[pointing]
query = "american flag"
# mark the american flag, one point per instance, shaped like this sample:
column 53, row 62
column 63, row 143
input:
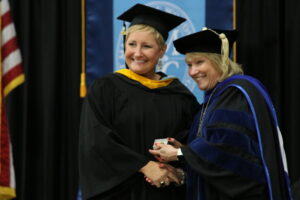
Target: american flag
column 11, row 76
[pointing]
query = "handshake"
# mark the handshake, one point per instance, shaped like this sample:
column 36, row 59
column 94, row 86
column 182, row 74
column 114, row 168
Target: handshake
column 161, row 174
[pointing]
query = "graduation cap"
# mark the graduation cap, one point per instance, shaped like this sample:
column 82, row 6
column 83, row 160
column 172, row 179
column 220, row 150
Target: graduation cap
column 208, row 40
column 162, row 21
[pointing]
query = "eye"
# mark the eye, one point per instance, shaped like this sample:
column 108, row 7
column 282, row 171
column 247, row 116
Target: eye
column 147, row 46
column 131, row 44
column 189, row 65
column 198, row 62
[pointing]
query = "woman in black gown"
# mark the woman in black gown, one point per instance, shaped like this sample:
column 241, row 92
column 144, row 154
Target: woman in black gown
column 126, row 111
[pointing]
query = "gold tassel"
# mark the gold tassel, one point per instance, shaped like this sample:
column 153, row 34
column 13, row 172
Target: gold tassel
column 123, row 32
column 82, row 85
column 224, row 47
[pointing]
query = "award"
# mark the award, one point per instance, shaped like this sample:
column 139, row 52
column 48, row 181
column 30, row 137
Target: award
column 161, row 141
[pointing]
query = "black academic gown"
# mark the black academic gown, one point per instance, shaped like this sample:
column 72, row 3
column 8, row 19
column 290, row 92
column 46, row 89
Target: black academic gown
column 120, row 120
column 233, row 157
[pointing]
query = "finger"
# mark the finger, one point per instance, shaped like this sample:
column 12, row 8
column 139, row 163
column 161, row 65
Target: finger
column 154, row 152
column 174, row 142
column 156, row 182
column 162, row 165
column 177, row 144
column 173, row 178
column 159, row 158
column 159, row 145
column 171, row 140
column 156, row 146
column 168, row 167
column 148, row 180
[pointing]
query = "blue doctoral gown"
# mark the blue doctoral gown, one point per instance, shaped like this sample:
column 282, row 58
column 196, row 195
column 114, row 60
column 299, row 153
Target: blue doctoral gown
column 237, row 152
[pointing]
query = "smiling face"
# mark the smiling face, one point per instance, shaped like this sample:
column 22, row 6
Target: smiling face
column 202, row 70
column 142, row 53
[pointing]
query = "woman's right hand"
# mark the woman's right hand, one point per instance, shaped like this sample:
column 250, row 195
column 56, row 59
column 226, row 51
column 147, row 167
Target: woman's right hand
column 164, row 152
column 155, row 173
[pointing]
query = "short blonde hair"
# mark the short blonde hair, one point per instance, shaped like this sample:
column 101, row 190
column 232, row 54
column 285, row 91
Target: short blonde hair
column 142, row 27
column 227, row 70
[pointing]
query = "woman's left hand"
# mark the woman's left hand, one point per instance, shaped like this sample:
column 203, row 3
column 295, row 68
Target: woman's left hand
column 164, row 152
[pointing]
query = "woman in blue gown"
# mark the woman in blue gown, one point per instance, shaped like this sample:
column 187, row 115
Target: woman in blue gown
column 235, row 148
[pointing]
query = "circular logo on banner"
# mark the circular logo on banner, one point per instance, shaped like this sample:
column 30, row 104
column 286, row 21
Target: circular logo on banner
column 172, row 62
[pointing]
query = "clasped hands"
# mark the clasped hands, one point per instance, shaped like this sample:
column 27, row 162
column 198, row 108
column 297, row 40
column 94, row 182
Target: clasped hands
column 160, row 173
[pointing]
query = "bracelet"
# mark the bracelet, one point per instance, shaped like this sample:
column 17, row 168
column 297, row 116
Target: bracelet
column 181, row 176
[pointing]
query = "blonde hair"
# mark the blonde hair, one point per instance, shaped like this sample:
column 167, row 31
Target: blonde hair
column 142, row 27
column 228, row 69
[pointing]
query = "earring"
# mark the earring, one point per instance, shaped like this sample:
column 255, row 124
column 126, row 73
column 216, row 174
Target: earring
column 159, row 65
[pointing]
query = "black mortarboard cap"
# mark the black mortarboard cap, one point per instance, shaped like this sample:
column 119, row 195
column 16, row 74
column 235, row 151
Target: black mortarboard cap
column 207, row 40
column 162, row 21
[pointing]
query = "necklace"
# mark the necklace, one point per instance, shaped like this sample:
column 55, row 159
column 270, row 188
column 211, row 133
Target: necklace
column 203, row 111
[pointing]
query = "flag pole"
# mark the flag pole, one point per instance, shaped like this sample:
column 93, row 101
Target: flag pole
column 82, row 75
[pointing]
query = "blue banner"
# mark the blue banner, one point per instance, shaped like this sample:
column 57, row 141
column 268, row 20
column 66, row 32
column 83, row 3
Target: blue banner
column 99, row 43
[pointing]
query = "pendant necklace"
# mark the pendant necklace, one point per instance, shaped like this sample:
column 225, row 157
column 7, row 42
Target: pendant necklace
column 203, row 112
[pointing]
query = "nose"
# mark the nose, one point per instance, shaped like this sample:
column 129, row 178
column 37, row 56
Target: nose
column 192, row 70
column 138, row 51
